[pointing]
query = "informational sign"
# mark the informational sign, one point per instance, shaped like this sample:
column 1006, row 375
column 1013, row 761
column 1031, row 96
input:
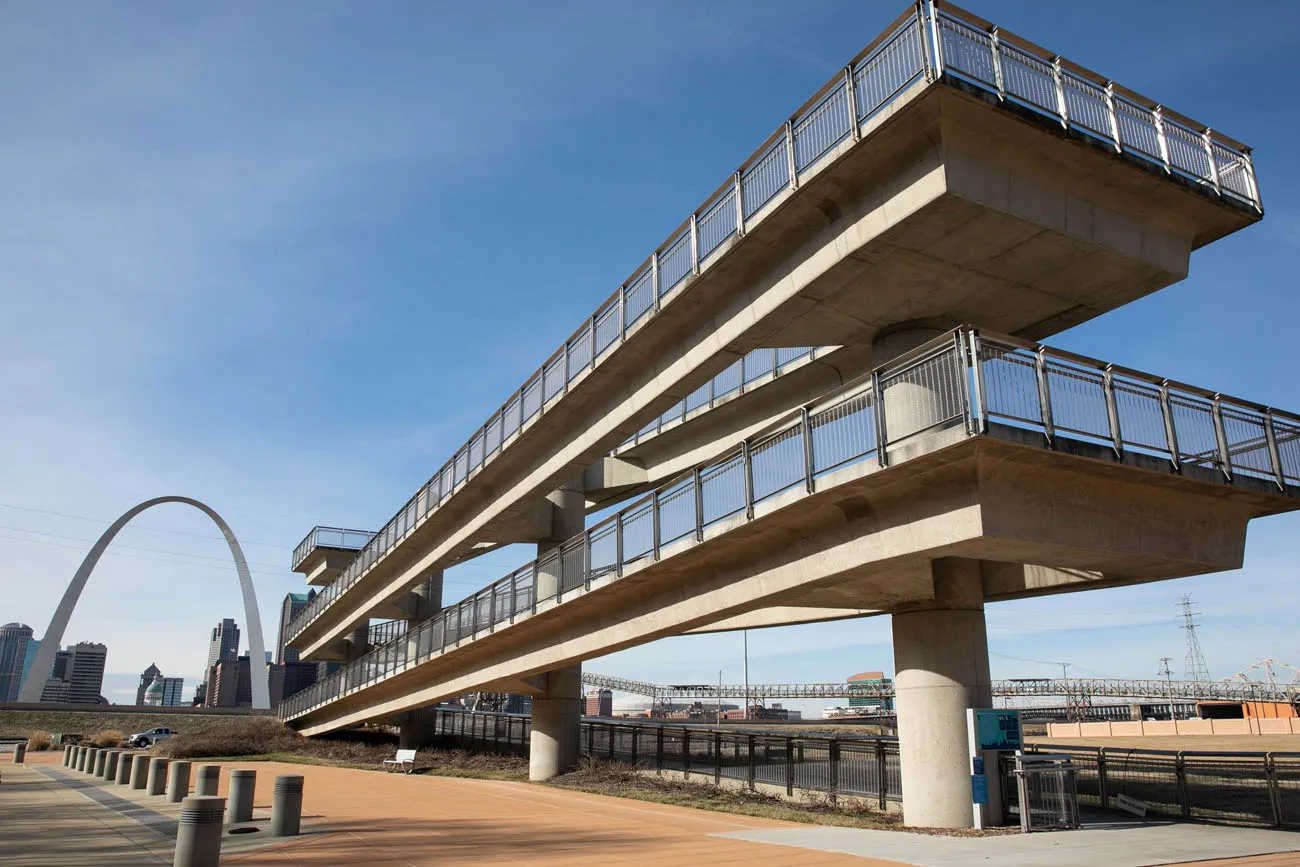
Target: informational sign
column 1132, row 805
column 997, row 730
column 979, row 788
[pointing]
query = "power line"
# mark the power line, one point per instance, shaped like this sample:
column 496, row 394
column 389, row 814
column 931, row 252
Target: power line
column 112, row 553
column 129, row 547
column 105, row 523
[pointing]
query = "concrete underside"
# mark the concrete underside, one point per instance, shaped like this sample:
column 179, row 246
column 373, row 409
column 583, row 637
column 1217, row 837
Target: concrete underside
column 867, row 541
column 949, row 210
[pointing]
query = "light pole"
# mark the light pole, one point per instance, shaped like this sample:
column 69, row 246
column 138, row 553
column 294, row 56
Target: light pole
column 745, row 633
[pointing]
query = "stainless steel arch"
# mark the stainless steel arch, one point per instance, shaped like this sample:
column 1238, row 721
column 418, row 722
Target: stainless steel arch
column 53, row 637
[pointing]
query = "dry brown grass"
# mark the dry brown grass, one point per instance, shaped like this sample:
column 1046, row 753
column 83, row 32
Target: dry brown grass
column 38, row 743
column 106, row 738
column 246, row 736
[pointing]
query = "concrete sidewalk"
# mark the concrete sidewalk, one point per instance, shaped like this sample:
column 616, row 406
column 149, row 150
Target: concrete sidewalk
column 364, row 817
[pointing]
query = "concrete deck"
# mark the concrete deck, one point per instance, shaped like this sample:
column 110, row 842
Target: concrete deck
column 363, row 817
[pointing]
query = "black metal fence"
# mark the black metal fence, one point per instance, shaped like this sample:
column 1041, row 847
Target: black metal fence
column 1241, row 788
column 861, row 767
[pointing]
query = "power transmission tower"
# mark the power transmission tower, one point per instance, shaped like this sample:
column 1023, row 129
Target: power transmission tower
column 1194, row 666
column 1168, row 676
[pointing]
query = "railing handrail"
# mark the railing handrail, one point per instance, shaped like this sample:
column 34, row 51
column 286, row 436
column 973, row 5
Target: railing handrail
column 921, row 22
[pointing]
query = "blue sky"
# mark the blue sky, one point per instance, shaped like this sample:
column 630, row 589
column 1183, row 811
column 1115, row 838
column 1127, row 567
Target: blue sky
column 286, row 258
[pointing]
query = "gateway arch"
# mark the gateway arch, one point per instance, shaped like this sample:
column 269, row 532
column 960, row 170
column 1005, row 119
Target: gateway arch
column 53, row 637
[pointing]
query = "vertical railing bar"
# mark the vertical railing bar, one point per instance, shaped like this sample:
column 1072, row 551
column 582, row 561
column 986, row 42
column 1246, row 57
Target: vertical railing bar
column 963, row 361
column 1171, row 431
column 1158, row 118
column 586, row 559
column 618, row 543
column 1045, row 396
column 1216, row 412
column 808, row 457
column 1274, row 455
column 995, row 46
column 881, row 457
column 654, row 521
column 930, row 20
column 851, row 104
column 739, row 195
column 655, row 278
column 1112, row 411
column 790, row 162
column 1060, row 92
column 699, row 505
column 1112, row 116
column 695, row 245
column 1208, row 144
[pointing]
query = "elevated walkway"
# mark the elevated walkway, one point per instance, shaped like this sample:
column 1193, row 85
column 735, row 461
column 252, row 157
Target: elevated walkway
column 954, row 173
column 995, row 451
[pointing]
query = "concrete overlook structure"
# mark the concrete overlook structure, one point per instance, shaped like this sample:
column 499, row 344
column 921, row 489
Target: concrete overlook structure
column 957, row 194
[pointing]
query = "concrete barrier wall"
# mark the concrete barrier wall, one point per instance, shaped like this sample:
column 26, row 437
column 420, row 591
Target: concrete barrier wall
column 1183, row 728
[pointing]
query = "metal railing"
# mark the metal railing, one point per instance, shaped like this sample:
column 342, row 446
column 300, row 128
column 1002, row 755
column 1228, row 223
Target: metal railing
column 335, row 538
column 748, row 372
column 861, row 767
column 963, row 381
column 1256, row 788
column 381, row 633
column 1162, row 690
column 930, row 42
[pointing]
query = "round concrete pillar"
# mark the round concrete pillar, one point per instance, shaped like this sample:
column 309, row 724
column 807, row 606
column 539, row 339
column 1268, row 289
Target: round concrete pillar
column 81, row 759
column 198, row 837
column 358, row 641
column 568, row 519
column 557, row 717
column 101, row 759
column 941, row 660
column 157, row 780
column 286, row 806
column 914, row 403
column 20, row 754
column 92, row 756
column 140, row 771
column 178, row 781
column 206, row 780
column 110, row 765
column 124, row 761
column 242, row 783
column 67, row 755
column 75, row 758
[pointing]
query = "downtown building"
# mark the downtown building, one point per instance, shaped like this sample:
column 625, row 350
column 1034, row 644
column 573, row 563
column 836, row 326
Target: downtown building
column 17, row 649
column 77, row 676
column 155, row 690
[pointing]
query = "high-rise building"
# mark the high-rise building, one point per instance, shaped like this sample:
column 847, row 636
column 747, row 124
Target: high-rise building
column 33, row 645
column 147, row 677
column 600, row 702
column 13, row 652
column 78, row 674
column 224, row 644
column 870, row 682
column 292, row 605
column 230, row 683
column 297, row 677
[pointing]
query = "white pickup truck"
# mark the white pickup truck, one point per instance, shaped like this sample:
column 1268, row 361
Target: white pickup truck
column 151, row 737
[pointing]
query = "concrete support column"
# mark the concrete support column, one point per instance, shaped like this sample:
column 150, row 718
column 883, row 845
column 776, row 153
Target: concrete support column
column 358, row 641
column 568, row 519
column 424, row 600
column 418, row 730
column 909, row 404
column 557, row 716
column 941, row 660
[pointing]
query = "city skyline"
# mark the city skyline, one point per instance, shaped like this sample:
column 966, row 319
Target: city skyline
column 321, row 245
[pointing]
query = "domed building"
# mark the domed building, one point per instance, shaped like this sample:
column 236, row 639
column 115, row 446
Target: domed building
column 153, row 695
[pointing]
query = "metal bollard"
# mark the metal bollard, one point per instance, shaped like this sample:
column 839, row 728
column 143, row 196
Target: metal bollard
column 140, row 770
column 110, row 765
column 286, row 806
column 207, row 779
column 67, row 754
column 240, row 807
column 157, row 780
column 100, row 758
column 20, row 753
column 124, row 762
column 178, row 782
column 198, row 838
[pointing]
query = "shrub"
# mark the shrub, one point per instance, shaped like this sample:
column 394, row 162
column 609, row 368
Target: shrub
column 105, row 738
column 250, row 737
column 38, row 742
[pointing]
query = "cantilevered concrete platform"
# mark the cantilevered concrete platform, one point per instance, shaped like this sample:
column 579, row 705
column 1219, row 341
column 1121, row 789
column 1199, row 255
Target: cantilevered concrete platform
column 943, row 203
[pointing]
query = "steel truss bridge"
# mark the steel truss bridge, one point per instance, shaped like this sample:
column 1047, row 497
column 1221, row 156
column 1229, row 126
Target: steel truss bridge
column 1076, row 691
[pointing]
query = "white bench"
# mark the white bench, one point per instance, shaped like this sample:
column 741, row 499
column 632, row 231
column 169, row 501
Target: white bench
column 403, row 761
